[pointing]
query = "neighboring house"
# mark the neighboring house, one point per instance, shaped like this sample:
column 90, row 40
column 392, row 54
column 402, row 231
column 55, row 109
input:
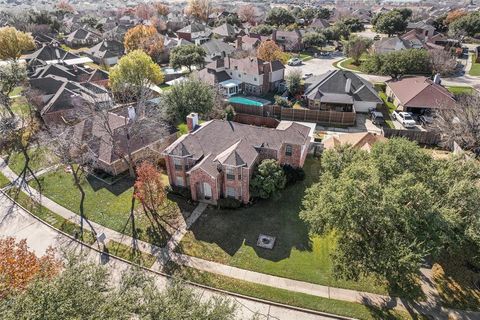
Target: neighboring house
column 106, row 53
column 248, row 75
column 82, row 37
column 288, row 40
column 359, row 140
column 340, row 90
column 168, row 44
column 61, row 101
column 150, row 144
column 46, row 54
column 418, row 95
column 413, row 39
column 425, row 29
column 319, row 24
column 227, row 32
column 176, row 21
column 216, row 49
column 196, row 32
column 217, row 159
column 390, row 44
column 248, row 42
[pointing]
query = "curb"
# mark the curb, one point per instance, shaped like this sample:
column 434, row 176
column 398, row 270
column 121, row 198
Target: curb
column 198, row 285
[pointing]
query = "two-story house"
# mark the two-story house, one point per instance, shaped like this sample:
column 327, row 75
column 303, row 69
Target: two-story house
column 247, row 75
column 217, row 159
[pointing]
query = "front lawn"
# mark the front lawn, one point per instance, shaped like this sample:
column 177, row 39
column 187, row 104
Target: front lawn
column 40, row 158
column 230, row 237
column 3, row 181
column 348, row 64
column 475, row 69
column 109, row 205
column 16, row 91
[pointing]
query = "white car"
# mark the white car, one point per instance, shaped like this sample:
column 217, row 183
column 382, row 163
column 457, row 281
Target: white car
column 294, row 62
column 404, row 118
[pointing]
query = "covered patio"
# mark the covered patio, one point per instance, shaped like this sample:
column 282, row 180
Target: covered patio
column 231, row 87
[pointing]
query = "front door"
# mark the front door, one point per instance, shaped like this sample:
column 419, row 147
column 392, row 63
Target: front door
column 207, row 191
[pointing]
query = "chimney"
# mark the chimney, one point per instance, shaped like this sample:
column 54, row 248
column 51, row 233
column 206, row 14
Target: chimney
column 348, row 85
column 238, row 42
column 436, row 79
column 131, row 113
column 192, row 121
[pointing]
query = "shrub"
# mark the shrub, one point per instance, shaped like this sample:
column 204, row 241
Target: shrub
column 293, row 174
column 267, row 179
column 282, row 102
column 179, row 191
column 380, row 86
column 228, row 203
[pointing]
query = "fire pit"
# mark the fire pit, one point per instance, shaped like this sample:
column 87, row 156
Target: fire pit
column 266, row 242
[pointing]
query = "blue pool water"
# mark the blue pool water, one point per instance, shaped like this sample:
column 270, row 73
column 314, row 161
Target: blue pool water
column 242, row 100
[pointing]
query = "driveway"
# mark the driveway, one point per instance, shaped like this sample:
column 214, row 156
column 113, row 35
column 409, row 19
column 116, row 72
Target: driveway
column 315, row 66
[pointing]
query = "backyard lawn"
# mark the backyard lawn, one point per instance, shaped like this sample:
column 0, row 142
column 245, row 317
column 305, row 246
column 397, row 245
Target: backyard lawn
column 109, row 205
column 230, row 236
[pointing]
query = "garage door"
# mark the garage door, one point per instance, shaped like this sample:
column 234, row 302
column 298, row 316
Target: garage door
column 362, row 106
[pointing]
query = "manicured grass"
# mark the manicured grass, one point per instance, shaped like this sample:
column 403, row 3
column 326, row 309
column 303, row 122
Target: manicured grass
column 20, row 106
column 455, row 280
column 387, row 109
column 461, row 90
column 165, row 87
column 475, row 69
column 390, row 106
column 305, row 56
column 109, row 205
column 50, row 217
column 128, row 253
column 348, row 64
column 40, row 158
column 3, row 180
column 301, row 300
column 230, row 237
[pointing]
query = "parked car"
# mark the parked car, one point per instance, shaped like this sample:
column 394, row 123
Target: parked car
column 325, row 54
column 377, row 117
column 425, row 120
column 294, row 62
column 376, row 38
column 404, row 118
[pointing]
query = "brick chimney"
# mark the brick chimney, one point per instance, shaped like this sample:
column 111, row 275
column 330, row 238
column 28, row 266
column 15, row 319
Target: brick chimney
column 192, row 121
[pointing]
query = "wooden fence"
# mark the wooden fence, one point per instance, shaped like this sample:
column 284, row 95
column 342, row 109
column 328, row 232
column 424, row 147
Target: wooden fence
column 256, row 120
column 422, row 137
column 306, row 115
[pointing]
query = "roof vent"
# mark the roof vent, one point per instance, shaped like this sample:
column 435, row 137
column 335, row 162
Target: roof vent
column 348, row 85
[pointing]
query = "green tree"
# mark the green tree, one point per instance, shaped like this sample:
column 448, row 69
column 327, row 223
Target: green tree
column 390, row 23
column 391, row 208
column 353, row 24
column 188, row 96
column 314, row 39
column 294, row 81
column 279, row 16
column 134, row 74
column 13, row 43
column 84, row 290
column 267, row 179
column 398, row 63
column 262, row 29
column 355, row 47
column 187, row 56
column 467, row 25
column 323, row 13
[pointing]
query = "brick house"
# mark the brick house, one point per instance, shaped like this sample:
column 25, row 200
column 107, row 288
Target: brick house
column 217, row 159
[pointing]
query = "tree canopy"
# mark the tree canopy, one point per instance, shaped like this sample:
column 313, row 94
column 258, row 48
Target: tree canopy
column 268, row 51
column 392, row 22
column 267, row 179
column 393, row 207
column 466, row 25
column 398, row 63
column 355, row 47
column 314, row 39
column 134, row 73
column 13, row 42
column 279, row 16
column 188, row 96
column 145, row 38
column 187, row 56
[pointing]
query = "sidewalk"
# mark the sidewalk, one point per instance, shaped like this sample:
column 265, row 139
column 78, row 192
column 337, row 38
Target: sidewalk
column 167, row 253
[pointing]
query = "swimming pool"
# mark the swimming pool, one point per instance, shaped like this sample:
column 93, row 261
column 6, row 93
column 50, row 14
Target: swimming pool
column 246, row 101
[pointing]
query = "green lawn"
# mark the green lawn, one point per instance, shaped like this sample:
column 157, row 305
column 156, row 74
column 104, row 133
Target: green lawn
column 348, row 64
column 165, row 87
column 387, row 109
column 390, row 106
column 461, row 90
column 3, row 180
column 128, row 253
column 301, row 300
column 475, row 69
column 230, row 237
column 50, row 217
column 40, row 158
column 108, row 205
column 20, row 106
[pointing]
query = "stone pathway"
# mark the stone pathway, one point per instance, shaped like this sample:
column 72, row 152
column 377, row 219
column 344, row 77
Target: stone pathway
column 163, row 255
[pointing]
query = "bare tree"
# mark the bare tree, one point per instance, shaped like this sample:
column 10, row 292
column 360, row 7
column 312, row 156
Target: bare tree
column 75, row 153
column 247, row 13
column 442, row 61
column 460, row 125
